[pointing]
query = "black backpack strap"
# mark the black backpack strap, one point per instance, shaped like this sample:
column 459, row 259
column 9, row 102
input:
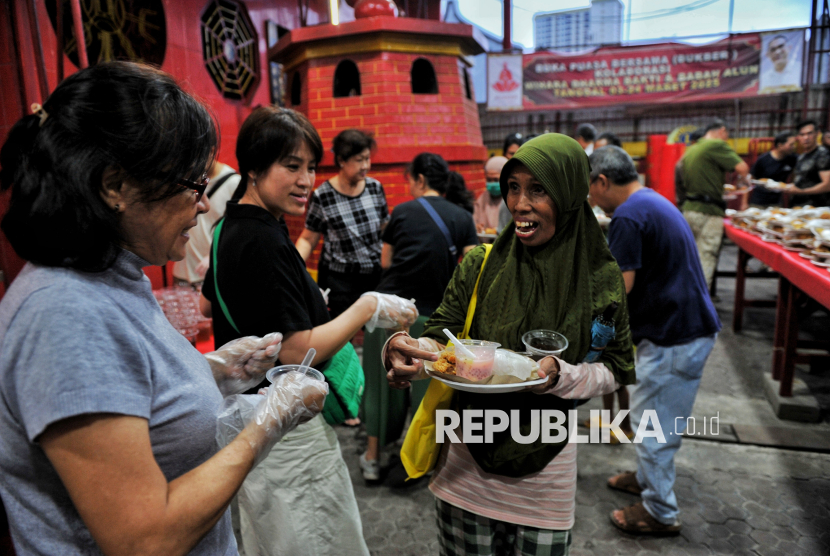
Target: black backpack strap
column 440, row 223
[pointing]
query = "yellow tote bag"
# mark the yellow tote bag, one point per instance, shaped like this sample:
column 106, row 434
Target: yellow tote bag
column 420, row 451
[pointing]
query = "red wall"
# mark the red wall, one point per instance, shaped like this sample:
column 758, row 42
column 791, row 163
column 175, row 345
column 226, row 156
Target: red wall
column 183, row 59
column 405, row 124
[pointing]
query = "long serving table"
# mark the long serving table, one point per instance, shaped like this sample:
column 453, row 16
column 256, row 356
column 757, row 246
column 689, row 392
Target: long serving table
column 798, row 277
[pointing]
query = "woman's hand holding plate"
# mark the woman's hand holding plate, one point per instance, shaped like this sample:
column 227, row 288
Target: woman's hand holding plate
column 548, row 368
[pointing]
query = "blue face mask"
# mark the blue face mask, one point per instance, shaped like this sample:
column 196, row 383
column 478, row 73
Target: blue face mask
column 494, row 188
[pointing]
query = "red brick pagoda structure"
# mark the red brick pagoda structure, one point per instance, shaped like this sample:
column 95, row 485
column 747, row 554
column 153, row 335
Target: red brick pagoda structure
column 404, row 79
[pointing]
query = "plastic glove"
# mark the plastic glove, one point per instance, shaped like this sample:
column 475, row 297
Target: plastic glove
column 241, row 364
column 392, row 312
column 292, row 399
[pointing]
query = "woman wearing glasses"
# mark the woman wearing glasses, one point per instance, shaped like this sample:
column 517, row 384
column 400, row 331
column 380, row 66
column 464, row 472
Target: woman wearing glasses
column 108, row 415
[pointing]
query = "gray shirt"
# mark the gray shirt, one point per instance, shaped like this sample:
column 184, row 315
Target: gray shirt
column 74, row 343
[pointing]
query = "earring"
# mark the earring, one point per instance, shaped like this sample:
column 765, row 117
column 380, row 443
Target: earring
column 253, row 183
column 117, row 207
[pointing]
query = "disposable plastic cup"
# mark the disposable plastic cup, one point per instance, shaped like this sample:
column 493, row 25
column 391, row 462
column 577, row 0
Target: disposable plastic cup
column 480, row 366
column 543, row 343
column 313, row 373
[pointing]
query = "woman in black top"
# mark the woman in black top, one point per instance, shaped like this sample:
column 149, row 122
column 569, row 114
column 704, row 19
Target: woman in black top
column 418, row 264
column 299, row 499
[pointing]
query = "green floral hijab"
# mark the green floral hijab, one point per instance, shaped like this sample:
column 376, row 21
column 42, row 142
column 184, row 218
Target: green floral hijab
column 559, row 286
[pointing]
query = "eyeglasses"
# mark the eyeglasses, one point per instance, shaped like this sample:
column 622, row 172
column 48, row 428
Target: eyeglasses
column 199, row 187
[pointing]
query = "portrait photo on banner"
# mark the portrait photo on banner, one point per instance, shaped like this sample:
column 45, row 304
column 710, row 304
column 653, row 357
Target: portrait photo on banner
column 782, row 56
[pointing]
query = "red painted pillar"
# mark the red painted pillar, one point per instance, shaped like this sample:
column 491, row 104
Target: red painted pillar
column 654, row 159
column 80, row 39
column 660, row 162
column 671, row 154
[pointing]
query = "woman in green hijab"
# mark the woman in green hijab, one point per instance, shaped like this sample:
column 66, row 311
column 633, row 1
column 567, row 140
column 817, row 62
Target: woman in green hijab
column 550, row 270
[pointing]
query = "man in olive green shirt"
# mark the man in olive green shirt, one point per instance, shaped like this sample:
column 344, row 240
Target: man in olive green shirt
column 704, row 165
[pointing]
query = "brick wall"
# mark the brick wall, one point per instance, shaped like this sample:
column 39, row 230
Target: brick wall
column 404, row 124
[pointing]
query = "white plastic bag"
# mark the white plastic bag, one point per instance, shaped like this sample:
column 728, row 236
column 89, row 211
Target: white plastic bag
column 510, row 363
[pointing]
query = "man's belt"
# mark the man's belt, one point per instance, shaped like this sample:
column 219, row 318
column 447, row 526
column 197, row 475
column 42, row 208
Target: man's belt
column 708, row 200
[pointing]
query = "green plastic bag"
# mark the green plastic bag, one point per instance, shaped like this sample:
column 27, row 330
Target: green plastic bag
column 346, row 383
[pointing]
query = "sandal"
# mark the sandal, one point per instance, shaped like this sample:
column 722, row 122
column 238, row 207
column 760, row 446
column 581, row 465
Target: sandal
column 637, row 521
column 626, row 482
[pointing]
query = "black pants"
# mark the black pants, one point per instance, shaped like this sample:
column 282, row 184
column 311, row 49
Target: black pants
column 346, row 287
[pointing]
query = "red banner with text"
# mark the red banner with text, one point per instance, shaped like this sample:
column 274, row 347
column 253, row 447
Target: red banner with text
column 661, row 73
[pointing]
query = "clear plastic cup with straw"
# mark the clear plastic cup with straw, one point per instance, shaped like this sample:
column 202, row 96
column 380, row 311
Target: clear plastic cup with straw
column 474, row 359
column 304, row 368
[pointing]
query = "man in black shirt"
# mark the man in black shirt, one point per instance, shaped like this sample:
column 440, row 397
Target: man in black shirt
column 811, row 181
column 776, row 165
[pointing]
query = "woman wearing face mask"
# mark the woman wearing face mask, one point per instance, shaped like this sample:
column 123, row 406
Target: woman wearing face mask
column 349, row 211
column 299, row 501
column 486, row 207
column 418, row 264
column 551, row 270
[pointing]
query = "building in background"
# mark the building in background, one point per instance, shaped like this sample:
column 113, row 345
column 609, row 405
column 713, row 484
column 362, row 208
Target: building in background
column 570, row 30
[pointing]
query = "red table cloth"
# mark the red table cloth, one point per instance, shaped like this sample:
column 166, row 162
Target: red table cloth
column 807, row 277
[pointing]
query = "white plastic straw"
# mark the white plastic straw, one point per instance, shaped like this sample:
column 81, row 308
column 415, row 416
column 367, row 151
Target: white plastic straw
column 309, row 357
column 458, row 345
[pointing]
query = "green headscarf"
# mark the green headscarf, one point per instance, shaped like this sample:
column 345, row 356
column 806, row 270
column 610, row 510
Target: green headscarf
column 561, row 285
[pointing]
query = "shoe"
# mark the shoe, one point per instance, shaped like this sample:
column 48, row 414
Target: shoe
column 636, row 520
column 626, row 482
column 369, row 468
